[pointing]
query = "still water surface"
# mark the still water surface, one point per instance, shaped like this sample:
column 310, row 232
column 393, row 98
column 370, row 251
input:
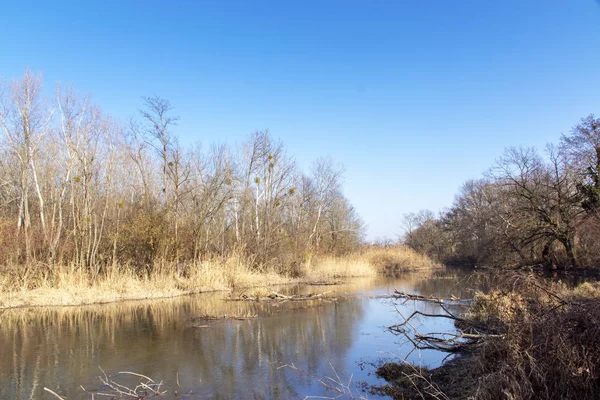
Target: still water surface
column 64, row 348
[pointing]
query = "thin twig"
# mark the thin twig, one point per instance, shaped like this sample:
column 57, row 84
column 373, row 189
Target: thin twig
column 53, row 393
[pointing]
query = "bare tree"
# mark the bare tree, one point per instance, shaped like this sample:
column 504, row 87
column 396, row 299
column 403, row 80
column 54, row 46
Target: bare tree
column 24, row 119
column 327, row 183
column 106, row 195
column 159, row 122
column 582, row 146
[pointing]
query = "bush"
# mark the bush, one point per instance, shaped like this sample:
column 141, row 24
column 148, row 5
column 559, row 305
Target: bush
column 551, row 346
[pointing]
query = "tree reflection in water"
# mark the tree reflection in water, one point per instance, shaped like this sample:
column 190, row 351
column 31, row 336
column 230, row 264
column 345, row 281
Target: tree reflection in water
column 63, row 348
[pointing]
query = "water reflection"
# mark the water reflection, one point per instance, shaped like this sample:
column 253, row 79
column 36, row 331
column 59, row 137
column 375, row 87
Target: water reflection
column 63, row 348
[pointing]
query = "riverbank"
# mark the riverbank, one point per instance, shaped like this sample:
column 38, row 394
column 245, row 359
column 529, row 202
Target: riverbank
column 535, row 340
column 67, row 286
column 62, row 348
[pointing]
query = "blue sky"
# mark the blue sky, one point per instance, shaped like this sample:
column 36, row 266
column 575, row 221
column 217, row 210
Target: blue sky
column 412, row 97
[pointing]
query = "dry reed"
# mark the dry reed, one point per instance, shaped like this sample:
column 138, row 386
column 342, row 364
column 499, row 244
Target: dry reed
column 547, row 346
column 367, row 262
column 43, row 285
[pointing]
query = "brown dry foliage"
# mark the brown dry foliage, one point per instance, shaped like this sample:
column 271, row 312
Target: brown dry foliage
column 394, row 259
column 551, row 347
column 42, row 284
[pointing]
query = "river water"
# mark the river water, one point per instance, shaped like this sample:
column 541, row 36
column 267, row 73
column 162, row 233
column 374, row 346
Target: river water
column 67, row 349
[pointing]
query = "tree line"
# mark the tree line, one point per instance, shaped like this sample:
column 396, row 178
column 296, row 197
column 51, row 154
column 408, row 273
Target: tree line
column 529, row 208
column 81, row 188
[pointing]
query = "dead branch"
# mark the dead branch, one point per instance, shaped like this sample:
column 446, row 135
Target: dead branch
column 323, row 283
column 418, row 297
column 54, row 394
column 278, row 297
column 146, row 387
column 450, row 342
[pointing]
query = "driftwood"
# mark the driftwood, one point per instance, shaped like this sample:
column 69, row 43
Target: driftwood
column 278, row 297
column 473, row 333
column 145, row 388
column 432, row 299
column 323, row 283
column 54, row 394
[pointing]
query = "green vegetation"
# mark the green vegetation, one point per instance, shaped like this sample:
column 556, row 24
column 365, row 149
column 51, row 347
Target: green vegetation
column 527, row 210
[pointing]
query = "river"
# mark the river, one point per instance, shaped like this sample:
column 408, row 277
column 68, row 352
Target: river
column 67, row 349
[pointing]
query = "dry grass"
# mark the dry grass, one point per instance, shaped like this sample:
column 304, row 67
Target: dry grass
column 71, row 286
column 544, row 344
column 553, row 353
column 551, row 344
column 40, row 285
column 587, row 289
column 498, row 307
column 397, row 259
column 368, row 262
column 330, row 267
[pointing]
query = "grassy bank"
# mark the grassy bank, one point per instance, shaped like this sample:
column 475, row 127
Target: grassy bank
column 540, row 340
column 40, row 285
column 369, row 261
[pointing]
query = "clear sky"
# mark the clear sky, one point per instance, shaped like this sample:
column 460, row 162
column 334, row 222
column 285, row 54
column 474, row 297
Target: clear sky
column 412, row 97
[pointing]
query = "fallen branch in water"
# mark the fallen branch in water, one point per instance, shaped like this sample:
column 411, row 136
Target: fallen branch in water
column 275, row 295
column 450, row 342
column 54, row 394
column 278, row 297
column 525, row 337
column 323, row 283
column 418, row 297
column 146, row 387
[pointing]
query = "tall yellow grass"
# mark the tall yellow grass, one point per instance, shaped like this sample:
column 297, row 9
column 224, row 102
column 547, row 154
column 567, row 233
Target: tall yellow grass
column 60, row 285
column 369, row 261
